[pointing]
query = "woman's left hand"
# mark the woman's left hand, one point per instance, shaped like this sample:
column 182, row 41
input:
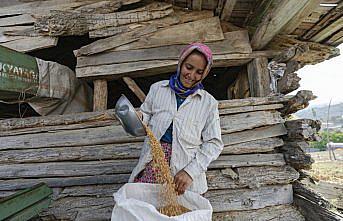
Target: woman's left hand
column 182, row 181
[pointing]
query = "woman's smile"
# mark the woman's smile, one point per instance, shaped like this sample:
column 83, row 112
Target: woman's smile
column 192, row 70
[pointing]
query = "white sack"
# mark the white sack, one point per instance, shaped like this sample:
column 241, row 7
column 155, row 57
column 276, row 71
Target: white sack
column 138, row 202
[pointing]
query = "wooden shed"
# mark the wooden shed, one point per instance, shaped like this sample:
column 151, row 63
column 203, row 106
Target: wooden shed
column 118, row 47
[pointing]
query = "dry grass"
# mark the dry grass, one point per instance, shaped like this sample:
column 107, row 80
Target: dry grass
column 328, row 170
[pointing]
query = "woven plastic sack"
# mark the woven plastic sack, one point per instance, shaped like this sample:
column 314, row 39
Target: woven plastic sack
column 138, row 202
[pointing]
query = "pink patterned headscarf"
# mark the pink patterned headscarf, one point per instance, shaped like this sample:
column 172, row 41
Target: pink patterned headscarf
column 174, row 81
column 202, row 48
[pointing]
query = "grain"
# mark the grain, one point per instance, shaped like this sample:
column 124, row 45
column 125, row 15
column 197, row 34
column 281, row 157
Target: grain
column 168, row 195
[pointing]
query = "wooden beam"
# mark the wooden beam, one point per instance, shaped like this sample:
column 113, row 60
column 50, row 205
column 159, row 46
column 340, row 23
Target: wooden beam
column 27, row 44
column 234, row 42
column 134, row 88
column 66, row 23
column 155, row 67
column 302, row 14
column 205, row 30
column 196, row 5
column 227, row 10
column 245, row 121
column 17, row 20
column 247, row 199
column 259, row 79
column 100, row 95
column 328, row 30
column 274, row 21
column 179, row 17
column 335, row 39
column 333, row 15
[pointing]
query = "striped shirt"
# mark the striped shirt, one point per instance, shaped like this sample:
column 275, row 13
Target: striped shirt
column 196, row 131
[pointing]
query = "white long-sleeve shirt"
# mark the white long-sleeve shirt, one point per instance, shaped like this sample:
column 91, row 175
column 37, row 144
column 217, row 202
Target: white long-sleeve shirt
column 196, row 131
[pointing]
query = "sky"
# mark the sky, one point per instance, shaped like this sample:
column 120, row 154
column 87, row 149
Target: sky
column 325, row 80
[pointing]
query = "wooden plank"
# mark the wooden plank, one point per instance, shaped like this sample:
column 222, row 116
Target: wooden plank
column 173, row 35
column 196, row 5
column 23, row 199
column 256, row 134
column 80, row 208
column 81, row 137
column 100, row 95
column 217, row 179
column 279, row 213
column 274, row 20
column 228, row 161
column 259, row 78
column 42, row 7
column 246, row 109
column 335, row 39
column 245, row 121
column 7, row 38
column 255, row 146
column 325, row 20
column 86, row 168
column 28, row 44
column 301, row 15
column 134, row 88
column 333, row 192
column 17, row 20
column 234, row 42
column 57, row 182
column 59, row 128
column 67, row 169
column 66, row 23
column 83, row 153
column 149, row 68
column 250, row 177
column 227, row 10
column 39, row 7
column 247, row 199
column 205, row 30
column 115, row 41
column 328, row 30
column 313, row 205
column 251, row 101
column 32, row 211
column 100, row 123
column 178, row 17
column 116, row 151
column 316, row 53
column 57, row 120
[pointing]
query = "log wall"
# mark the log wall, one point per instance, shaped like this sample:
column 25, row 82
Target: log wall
column 87, row 157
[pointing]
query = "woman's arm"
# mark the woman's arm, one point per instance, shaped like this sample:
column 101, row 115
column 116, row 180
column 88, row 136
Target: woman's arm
column 211, row 147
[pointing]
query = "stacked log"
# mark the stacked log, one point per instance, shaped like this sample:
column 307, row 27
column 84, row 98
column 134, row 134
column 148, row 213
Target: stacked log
column 299, row 133
column 312, row 204
column 307, row 193
column 87, row 157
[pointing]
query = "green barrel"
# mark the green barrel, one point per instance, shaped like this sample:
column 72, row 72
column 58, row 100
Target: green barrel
column 19, row 75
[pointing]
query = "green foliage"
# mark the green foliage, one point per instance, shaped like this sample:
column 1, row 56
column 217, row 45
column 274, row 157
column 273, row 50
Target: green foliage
column 335, row 137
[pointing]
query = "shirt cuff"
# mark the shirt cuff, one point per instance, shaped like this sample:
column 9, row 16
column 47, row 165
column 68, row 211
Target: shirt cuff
column 193, row 169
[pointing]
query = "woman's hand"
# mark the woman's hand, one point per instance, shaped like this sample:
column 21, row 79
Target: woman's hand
column 182, row 181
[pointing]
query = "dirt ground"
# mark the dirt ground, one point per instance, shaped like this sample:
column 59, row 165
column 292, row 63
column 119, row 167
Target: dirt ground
column 329, row 174
column 328, row 170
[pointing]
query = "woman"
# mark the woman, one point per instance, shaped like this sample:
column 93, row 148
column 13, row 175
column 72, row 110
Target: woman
column 185, row 118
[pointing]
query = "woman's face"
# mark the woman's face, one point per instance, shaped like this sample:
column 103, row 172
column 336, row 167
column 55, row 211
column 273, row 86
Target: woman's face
column 192, row 69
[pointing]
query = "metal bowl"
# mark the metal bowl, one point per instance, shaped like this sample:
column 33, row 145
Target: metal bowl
column 128, row 117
